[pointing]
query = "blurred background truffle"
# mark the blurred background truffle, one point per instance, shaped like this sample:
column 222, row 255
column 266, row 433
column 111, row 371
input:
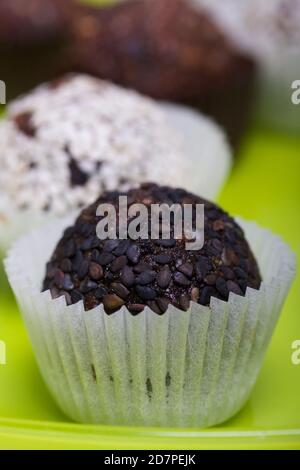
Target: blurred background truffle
column 167, row 50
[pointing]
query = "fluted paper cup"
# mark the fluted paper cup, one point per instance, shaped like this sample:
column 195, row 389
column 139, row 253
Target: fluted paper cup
column 192, row 369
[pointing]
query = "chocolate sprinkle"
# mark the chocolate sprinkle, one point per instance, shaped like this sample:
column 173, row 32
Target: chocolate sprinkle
column 112, row 302
column 95, row 271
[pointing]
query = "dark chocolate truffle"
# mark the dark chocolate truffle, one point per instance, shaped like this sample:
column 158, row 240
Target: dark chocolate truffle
column 168, row 50
column 154, row 273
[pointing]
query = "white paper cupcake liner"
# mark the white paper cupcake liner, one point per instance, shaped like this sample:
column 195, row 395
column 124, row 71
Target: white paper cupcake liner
column 204, row 170
column 15, row 222
column 191, row 369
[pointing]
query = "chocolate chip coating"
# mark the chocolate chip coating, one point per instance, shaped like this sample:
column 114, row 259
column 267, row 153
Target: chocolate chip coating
column 149, row 273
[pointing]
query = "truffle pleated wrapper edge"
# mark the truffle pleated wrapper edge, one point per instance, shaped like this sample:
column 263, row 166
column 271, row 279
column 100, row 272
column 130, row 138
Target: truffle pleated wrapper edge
column 189, row 369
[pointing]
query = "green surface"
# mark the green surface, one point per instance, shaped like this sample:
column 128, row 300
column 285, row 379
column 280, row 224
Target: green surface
column 265, row 186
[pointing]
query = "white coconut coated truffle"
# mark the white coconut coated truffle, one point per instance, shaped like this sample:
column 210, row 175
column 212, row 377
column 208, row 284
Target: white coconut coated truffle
column 66, row 142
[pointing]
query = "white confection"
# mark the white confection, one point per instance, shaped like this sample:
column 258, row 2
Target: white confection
column 98, row 367
column 270, row 31
column 261, row 26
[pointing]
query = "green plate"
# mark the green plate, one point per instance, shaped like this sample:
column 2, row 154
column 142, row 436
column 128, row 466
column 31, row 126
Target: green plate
column 265, row 186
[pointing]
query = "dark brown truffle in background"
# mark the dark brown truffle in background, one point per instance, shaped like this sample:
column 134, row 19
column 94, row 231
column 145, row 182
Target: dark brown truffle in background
column 154, row 273
column 32, row 35
column 167, row 50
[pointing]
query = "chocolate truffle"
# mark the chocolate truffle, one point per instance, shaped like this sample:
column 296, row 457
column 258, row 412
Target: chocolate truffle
column 168, row 50
column 32, row 33
column 148, row 272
